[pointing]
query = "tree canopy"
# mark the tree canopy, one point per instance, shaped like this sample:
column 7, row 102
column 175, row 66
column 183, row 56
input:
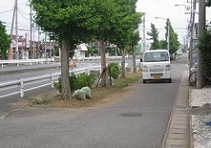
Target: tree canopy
column 128, row 21
column 154, row 35
column 208, row 3
column 64, row 19
column 70, row 23
column 173, row 38
column 4, row 41
column 76, row 21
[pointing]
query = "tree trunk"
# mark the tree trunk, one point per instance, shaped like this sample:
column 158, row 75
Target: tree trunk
column 104, row 81
column 123, row 62
column 134, row 60
column 66, row 93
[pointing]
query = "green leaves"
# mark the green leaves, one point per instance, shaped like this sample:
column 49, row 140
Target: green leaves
column 154, row 35
column 4, row 41
column 127, row 21
column 204, row 46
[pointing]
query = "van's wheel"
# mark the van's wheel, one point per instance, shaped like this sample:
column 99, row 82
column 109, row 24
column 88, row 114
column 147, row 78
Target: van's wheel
column 169, row 80
column 144, row 81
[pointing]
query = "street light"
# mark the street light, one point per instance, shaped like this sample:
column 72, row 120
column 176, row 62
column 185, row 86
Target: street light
column 187, row 7
column 168, row 25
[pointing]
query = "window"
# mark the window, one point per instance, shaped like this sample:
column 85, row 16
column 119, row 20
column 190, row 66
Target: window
column 156, row 56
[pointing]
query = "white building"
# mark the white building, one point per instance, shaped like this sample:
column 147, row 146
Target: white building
column 80, row 52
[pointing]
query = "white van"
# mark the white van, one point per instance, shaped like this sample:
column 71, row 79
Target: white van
column 156, row 65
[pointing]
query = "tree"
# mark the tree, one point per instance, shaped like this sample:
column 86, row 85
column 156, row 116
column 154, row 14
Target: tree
column 154, row 35
column 204, row 46
column 163, row 44
column 127, row 23
column 106, row 13
column 4, row 41
column 70, row 23
column 134, row 41
column 208, row 3
column 173, row 38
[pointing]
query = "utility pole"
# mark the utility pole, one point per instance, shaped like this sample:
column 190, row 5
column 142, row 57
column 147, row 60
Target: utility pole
column 191, row 29
column 31, row 42
column 11, row 32
column 200, row 75
column 168, row 35
column 144, row 38
column 16, row 27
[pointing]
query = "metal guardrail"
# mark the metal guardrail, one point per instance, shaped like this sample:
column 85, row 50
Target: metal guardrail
column 22, row 85
column 26, row 61
column 48, row 60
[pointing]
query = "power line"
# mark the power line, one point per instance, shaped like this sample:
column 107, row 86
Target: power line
column 6, row 11
column 22, row 15
column 22, row 11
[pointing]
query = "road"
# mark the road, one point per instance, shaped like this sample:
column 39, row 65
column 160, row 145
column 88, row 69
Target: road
column 138, row 120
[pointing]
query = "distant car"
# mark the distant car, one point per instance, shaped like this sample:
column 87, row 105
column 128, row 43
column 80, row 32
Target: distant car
column 156, row 65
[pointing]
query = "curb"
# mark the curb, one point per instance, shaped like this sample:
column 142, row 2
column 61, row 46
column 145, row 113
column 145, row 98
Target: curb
column 191, row 130
column 169, row 123
column 191, row 133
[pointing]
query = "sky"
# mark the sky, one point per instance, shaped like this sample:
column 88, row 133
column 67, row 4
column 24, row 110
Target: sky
column 164, row 9
column 151, row 8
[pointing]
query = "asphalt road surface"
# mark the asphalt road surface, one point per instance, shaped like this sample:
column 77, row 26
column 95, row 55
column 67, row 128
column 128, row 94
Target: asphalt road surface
column 137, row 120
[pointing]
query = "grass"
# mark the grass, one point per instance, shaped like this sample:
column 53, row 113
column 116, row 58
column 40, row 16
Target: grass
column 38, row 100
column 100, row 95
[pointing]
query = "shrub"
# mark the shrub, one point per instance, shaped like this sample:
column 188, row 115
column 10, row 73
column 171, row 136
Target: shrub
column 77, row 82
column 84, row 80
column 58, row 85
column 73, row 82
column 114, row 70
column 205, row 48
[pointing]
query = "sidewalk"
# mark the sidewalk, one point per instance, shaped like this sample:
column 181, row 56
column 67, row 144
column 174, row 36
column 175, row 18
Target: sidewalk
column 178, row 130
column 190, row 122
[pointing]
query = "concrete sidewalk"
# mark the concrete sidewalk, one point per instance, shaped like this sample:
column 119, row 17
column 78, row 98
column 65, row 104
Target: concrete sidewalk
column 190, row 122
column 178, row 130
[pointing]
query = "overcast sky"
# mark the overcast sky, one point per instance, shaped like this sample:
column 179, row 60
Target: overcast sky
column 165, row 9
column 151, row 8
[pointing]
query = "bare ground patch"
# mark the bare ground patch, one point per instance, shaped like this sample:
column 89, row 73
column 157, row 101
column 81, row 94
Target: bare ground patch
column 100, row 96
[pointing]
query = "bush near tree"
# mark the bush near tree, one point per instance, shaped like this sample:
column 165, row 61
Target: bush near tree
column 114, row 70
column 204, row 46
column 4, row 42
column 77, row 82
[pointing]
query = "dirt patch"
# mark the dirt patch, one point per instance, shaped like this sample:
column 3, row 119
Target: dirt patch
column 100, row 96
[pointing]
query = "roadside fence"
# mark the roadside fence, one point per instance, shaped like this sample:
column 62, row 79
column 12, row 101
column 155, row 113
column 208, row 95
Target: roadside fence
column 20, row 86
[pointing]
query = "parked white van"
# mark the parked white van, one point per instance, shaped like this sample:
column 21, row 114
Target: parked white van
column 156, row 65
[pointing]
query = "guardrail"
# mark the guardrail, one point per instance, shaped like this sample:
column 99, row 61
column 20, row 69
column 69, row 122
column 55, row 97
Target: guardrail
column 23, row 85
column 93, row 58
column 26, row 61
column 48, row 60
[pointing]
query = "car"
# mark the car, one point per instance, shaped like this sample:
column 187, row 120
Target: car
column 156, row 65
